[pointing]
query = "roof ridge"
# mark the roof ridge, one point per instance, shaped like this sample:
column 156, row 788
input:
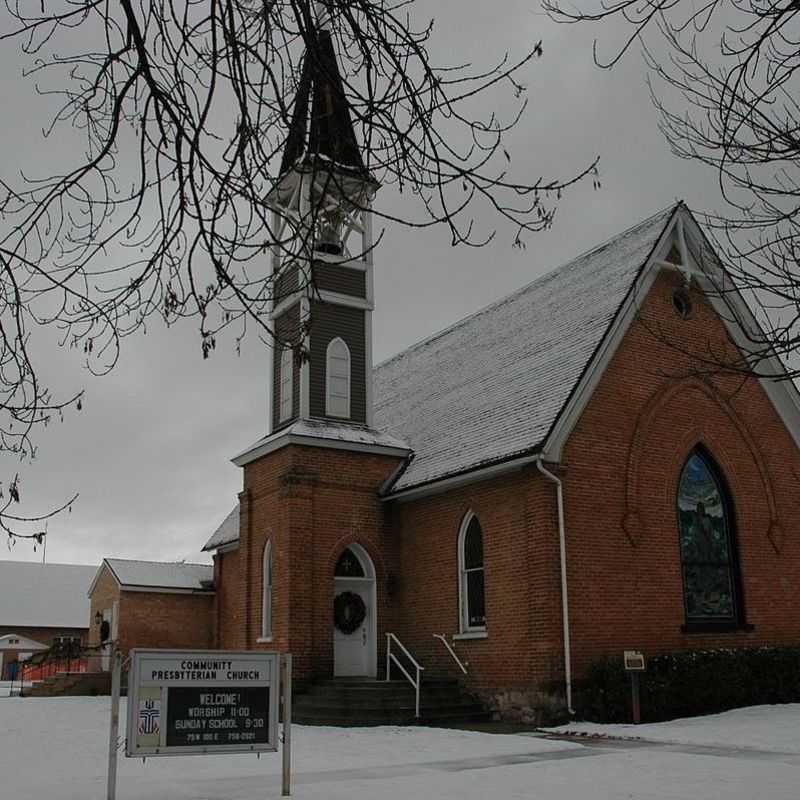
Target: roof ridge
column 517, row 292
column 150, row 561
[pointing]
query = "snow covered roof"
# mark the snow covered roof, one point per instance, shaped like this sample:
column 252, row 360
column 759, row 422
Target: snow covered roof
column 331, row 434
column 227, row 532
column 158, row 575
column 44, row 595
column 490, row 387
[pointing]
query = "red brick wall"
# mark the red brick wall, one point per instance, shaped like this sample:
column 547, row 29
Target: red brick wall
column 311, row 503
column 622, row 466
column 155, row 619
column 520, row 577
column 42, row 635
column 227, row 604
column 104, row 595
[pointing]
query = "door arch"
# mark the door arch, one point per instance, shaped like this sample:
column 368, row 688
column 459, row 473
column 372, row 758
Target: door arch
column 355, row 653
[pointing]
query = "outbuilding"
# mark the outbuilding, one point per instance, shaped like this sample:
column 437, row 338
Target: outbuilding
column 149, row 604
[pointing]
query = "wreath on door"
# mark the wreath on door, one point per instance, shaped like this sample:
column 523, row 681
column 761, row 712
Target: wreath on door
column 349, row 612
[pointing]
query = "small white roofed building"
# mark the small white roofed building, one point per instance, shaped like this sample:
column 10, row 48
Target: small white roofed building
column 150, row 604
column 41, row 605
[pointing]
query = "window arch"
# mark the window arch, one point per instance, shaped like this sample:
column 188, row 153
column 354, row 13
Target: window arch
column 337, row 382
column 266, row 602
column 471, row 594
column 286, row 396
column 709, row 561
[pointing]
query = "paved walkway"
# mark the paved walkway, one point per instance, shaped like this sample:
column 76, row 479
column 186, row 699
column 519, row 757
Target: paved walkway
column 610, row 743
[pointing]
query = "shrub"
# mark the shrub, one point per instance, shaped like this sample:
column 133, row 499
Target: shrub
column 692, row 682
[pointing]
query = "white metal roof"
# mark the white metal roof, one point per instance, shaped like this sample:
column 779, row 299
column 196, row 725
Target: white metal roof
column 160, row 574
column 44, row 595
column 491, row 386
column 227, row 532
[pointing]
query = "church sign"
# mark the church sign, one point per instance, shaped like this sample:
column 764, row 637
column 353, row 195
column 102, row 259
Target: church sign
column 193, row 701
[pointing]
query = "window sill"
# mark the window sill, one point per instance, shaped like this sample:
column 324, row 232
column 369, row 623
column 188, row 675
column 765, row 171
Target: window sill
column 716, row 627
column 470, row 635
column 263, row 639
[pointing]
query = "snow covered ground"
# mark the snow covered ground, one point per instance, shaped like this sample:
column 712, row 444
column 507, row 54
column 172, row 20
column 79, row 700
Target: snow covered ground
column 55, row 749
column 773, row 728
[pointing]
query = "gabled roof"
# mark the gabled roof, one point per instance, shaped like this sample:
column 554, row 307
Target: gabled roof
column 227, row 533
column 158, row 575
column 508, row 382
column 44, row 595
column 327, row 131
column 491, row 387
column 12, row 641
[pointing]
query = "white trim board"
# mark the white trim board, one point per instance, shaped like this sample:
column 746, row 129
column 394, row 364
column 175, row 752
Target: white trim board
column 782, row 393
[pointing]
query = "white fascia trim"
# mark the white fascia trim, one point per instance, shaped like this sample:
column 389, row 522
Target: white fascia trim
column 339, row 299
column 97, row 574
column 782, row 393
column 368, row 369
column 554, row 444
column 164, row 590
column 295, row 297
column 736, row 315
column 336, row 298
column 228, row 547
column 456, row 481
column 248, row 456
column 336, row 261
column 305, row 367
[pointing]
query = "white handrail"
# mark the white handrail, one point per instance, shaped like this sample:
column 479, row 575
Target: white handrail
column 391, row 657
column 444, row 641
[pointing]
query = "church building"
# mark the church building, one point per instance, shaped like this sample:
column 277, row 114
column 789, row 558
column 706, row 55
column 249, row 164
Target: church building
column 557, row 478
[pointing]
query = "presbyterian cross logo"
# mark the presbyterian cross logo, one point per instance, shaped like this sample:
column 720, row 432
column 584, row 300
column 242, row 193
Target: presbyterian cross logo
column 149, row 717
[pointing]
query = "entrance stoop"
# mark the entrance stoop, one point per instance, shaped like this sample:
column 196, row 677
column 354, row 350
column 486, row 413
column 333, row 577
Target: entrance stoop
column 354, row 702
column 72, row 684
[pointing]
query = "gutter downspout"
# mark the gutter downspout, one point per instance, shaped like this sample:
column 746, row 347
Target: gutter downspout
column 562, row 543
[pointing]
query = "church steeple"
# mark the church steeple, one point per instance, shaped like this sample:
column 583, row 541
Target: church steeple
column 322, row 259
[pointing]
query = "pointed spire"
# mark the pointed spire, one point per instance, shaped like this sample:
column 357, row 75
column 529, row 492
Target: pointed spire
column 328, row 130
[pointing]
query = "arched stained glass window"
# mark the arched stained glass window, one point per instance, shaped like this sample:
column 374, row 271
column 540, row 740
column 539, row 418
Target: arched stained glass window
column 708, row 549
column 349, row 566
column 471, row 585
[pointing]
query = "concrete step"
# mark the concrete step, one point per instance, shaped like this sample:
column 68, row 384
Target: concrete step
column 369, row 702
column 72, row 684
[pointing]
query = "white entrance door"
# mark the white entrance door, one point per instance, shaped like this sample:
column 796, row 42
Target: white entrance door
column 355, row 652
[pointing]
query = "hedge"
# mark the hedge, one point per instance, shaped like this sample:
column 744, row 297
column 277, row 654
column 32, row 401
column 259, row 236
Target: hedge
column 693, row 682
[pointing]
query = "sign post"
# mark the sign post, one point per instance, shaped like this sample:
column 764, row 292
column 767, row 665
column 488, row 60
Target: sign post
column 113, row 734
column 635, row 664
column 195, row 701
column 286, row 783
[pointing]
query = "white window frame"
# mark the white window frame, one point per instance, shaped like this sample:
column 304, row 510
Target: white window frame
column 331, row 409
column 266, row 592
column 286, row 388
column 463, row 606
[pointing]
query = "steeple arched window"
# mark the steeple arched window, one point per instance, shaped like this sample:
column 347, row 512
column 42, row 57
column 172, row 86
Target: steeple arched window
column 337, row 384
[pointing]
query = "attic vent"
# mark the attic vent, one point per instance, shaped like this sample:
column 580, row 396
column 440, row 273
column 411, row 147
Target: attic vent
column 674, row 256
column 682, row 303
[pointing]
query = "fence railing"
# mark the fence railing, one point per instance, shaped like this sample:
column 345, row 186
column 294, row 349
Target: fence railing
column 391, row 658
column 443, row 639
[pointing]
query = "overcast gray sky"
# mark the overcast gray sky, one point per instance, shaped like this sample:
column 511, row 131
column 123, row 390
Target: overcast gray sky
column 150, row 451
